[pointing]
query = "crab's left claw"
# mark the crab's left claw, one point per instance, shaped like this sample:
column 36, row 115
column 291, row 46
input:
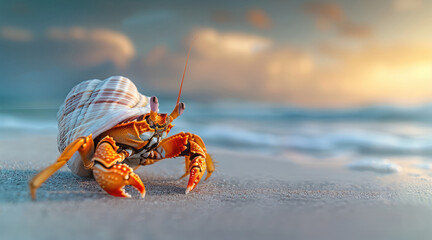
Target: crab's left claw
column 113, row 179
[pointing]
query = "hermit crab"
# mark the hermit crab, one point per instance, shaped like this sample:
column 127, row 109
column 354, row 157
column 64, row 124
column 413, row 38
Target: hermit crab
column 107, row 129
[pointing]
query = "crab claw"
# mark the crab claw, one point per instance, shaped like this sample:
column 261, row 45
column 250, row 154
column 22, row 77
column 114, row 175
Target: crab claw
column 197, row 170
column 113, row 179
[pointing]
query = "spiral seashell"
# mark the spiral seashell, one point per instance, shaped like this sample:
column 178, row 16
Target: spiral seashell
column 95, row 106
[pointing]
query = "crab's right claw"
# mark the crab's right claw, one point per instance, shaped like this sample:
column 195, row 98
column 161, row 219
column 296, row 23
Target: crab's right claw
column 113, row 179
column 196, row 172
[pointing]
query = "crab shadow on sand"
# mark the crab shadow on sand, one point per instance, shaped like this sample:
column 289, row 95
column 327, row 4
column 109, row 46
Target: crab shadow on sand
column 65, row 186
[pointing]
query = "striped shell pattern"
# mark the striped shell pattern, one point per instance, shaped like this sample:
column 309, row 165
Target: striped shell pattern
column 95, row 106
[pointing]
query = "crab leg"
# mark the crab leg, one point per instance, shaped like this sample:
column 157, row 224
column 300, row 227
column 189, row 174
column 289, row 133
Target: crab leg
column 84, row 145
column 110, row 173
column 196, row 157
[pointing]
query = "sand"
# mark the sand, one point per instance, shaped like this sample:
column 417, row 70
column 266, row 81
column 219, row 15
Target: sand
column 249, row 197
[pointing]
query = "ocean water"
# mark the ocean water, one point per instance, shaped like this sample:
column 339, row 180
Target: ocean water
column 370, row 133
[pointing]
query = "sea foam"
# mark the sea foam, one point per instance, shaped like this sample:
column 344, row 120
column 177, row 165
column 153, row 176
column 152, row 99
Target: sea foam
column 375, row 165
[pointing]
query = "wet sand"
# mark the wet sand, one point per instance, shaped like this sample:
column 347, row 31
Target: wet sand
column 249, row 197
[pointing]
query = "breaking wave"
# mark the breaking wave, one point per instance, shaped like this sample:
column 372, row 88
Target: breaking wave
column 375, row 130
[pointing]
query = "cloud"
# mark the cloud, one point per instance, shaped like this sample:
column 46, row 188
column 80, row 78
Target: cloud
column 331, row 77
column 156, row 54
column 354, row 30
column 329, row 12
column 15, row 34
column 332, row 16
column 211, row 43
column 67, row 48
column 59, row 58
column 255, row 17
column 92, row 46
column 230, row 64
column 407, row 5
column 259, row 19
column 394, row 73
column 221, row 16
column 150, row 17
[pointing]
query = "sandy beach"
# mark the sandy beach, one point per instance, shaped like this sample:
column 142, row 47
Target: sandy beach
column 318, row 115
column 249, row 197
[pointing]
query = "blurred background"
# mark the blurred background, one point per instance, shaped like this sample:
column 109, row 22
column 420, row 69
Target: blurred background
column 306, row 80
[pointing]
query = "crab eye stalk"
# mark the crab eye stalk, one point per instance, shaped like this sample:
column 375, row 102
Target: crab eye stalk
column 154, row 108
column 178, row 110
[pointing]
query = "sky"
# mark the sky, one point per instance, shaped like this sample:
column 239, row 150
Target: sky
column 319, row 54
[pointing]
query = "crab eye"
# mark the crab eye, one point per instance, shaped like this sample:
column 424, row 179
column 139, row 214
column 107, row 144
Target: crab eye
column 154, row 104
column 181, row 108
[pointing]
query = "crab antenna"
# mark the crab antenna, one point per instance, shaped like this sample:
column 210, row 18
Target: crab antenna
column 184, row 73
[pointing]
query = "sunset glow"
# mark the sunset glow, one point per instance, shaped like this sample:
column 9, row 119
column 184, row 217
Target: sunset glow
column 318, row 54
